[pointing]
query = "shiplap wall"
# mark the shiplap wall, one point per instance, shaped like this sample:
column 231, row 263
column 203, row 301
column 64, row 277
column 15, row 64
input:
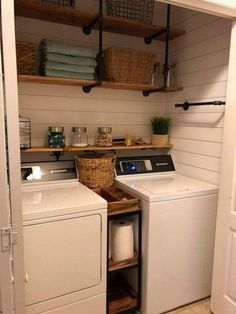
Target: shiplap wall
column 201, row 56
column 125, row 111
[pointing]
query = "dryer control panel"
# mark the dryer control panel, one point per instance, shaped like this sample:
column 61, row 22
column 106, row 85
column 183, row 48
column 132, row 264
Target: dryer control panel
column 144, row 164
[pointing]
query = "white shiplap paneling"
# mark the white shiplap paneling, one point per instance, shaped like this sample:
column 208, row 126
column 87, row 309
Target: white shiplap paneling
column 201, row 56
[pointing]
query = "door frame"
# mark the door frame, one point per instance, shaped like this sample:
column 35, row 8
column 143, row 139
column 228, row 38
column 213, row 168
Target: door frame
column 209, row 7
column 13, row 151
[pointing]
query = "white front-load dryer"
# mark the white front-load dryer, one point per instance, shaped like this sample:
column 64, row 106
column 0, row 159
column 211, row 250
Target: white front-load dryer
column 64, row 228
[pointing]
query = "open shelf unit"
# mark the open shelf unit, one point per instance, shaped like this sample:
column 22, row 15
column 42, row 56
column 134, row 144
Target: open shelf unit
column 86, row 20
column 70, row 16
column 75, row 82
column 40, row 149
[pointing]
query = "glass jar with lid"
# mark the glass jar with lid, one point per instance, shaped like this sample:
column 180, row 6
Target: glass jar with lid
column 56, row 137
column 79, row 137
column 104, row 137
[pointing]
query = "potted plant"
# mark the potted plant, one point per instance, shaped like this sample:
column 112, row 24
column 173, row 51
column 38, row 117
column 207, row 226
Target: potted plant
column 160, row 126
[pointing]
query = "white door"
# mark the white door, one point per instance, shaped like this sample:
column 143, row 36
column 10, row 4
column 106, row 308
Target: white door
column 224, row 275
column 11, row 270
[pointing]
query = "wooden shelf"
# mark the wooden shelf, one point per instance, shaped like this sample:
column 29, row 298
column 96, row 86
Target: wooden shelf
column 65, row 15
column 121, row 296
column 40, row 149
column 113, row 266
column 74, row 82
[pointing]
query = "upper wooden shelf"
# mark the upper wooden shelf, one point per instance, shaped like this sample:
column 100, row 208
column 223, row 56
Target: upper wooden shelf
column 76, row 82
column 65, row 15
column 41, row 149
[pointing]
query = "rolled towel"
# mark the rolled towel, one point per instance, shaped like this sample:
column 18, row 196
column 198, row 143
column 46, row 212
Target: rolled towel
column 67, row 74
column 51, row 46
column 68, row 67
column 55, row 57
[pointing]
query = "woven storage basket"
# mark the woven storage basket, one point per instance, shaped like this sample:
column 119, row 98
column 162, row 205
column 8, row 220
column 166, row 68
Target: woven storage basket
column 26, row 57
column 128, row 65
column 67, row 3
column 96, row 171
column 140, row 11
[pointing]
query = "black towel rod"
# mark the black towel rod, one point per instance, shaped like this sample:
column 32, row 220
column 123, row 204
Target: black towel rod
column 186, row 104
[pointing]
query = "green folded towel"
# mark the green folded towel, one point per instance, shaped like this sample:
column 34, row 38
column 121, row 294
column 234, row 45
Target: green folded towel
column 69, row 67
column 55, row 57
column 75, row 75
column 51, row 46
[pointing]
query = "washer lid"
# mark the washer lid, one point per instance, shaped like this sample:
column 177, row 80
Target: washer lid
column 164, row 187
column 58, row 198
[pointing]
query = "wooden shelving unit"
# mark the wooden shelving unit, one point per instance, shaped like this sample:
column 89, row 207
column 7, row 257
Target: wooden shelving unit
column 40, row 149
column 75, row 82
column 65, row 15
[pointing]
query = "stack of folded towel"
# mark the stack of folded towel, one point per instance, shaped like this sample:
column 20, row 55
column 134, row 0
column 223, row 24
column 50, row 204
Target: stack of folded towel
column 62, row 60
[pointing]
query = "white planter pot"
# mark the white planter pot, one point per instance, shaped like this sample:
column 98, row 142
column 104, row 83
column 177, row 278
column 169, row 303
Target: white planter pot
column 160, row 140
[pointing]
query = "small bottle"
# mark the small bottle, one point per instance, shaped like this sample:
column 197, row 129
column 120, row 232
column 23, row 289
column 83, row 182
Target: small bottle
column 79, row 137
column 56, row 137
column 104, row 137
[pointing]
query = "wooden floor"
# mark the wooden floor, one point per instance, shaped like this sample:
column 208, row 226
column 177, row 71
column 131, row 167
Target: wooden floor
column 201, row 307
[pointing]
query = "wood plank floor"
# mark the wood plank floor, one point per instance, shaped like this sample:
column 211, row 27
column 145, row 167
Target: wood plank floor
column 201, row 307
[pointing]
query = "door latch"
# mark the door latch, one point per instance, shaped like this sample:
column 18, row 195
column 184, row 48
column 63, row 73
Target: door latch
column 8, row 239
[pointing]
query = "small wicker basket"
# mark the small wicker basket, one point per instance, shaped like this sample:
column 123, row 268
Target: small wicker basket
column 26, row 58
column 128, row 65
column 96, row 171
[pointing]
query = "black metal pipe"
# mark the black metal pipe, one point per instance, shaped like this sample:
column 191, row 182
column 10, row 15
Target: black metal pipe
column 186, row 104
column 88, row 28
column 87, row 89
column 148, row 40
column 166, row 65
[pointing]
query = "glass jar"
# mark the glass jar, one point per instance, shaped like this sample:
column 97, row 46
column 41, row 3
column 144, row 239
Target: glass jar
column 79, row 137
column 56, row 137
column 104, row 137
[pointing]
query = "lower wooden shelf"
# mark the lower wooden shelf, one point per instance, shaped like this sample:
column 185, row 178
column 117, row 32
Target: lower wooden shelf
column 113, row 266
column 76, row 82
column 121, row 296
column 41, row 149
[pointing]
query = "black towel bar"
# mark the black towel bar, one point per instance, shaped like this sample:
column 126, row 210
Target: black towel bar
column 186, row 104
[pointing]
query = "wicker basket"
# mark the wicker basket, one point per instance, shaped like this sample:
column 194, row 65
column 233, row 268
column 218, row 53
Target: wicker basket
column 67, row 3
column 128, row 65
column 140, row 11
column 26, row 58
column 96, row 171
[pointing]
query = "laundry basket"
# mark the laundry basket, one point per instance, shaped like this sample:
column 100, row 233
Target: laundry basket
column 128, row 65
column 97, row 170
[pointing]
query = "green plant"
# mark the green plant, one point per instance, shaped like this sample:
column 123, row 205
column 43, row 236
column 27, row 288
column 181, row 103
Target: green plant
column 160, row 125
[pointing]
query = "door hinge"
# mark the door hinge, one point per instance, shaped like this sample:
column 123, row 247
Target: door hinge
column 8, row 239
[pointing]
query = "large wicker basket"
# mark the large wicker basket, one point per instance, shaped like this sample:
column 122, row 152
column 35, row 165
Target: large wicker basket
column 97, row 170
column 128, row 65
column 26, row 58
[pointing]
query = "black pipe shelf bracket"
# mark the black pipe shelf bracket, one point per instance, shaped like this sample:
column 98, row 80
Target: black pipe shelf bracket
column 186, row 104
column 87, row 31
column 148, row 40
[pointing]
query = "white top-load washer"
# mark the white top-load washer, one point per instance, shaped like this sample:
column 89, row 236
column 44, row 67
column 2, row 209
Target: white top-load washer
column 179, row 215
column 64, row 227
